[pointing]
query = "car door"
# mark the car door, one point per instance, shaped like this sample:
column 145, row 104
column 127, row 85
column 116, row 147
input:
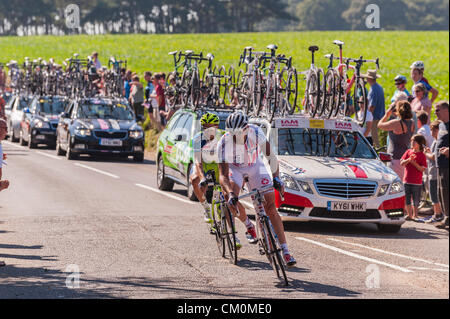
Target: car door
column 173, row 139
column 64, row 124
column 27, row 118
column 183, row 147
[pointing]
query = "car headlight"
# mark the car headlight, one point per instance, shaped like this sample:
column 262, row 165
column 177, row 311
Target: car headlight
column 289, row 182
column 383, row 190
column 305, row 187
column 82, row 131
column 41, row 124
column 396, row 187
column 136, row 134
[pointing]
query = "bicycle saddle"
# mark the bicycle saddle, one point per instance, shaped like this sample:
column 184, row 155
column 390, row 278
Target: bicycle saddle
column 249, row 48
column 272, row 47
column 210, row 56
column 337, row 42
column 313, row 48
column 327, row 56
column 188, row 52
column 173, row 52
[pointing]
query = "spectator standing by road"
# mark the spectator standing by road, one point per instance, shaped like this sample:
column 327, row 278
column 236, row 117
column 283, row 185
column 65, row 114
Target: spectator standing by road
column 424, row 128
column 421, row 102
column 160, row 98
column 442, row 163
column 2, row 79
column 3, row 128
column 414, row 162
column 367, row 129
column 400, row 129
column 96, row 61
column 376, row 103
column 400, row 84
column 417, row 75
column 430, row 153
column 127, row 84
column 137, row 96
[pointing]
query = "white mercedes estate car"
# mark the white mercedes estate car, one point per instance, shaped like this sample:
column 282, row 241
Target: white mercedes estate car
column 333, row 174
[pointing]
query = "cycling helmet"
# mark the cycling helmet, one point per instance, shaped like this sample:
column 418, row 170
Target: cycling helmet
column 209, row 119
column 237, row 121
column 418, row 65
column 400, row 79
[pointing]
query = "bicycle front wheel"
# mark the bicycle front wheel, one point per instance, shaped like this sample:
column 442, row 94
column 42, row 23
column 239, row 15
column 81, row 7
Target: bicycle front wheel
column 229, row 234
column 360, row 102
column 217, row 220
column 312, row 93
column 275, row 252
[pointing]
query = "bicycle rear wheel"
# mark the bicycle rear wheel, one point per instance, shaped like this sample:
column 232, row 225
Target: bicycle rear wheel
column 291, row 93
column 320, row 93
column 329, row 93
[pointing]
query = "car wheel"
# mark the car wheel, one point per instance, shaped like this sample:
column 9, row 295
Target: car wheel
column 190, row 188
column 385, row 228
column 31, row 145
column 138, row 158
column 164, row 183
column 21, row 140
column 12, row 136
column 69, row 153
column 59, row 150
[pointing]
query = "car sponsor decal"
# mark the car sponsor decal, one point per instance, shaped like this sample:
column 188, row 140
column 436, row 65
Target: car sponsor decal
column 316, row 124
column 168, row 149
column 103, row 124
column 343, row 126
column 289, row 123
column 354, row 166
column 292, row 169
column 114, row 124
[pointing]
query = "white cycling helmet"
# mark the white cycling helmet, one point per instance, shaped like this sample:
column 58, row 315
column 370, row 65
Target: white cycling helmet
column 236, row 121
column 418, row 65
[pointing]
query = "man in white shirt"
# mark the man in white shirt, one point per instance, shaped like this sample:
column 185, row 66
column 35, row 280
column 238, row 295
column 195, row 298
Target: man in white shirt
column 97, row 63
column 367, row 129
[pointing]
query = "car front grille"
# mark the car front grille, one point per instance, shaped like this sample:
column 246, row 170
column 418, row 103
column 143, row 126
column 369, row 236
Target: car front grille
column 324, row 213
column 346, row 189
column 106, row 134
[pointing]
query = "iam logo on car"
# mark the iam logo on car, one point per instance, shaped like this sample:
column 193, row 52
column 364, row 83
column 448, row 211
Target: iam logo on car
column 289, row 123
column 343, row 126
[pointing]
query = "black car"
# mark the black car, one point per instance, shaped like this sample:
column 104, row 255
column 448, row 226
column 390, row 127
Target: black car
column 40, row 120
column 99, row 126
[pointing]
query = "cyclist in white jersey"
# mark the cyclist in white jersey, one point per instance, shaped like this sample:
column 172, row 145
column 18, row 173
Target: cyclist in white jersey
column 240, row 153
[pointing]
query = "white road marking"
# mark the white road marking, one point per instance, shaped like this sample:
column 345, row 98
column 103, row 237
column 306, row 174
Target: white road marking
column 424, row 268
column 348, row 253
column 165, row 194
column 389, row 253
column 14, row 145
column 49, row 155
column 97, row 170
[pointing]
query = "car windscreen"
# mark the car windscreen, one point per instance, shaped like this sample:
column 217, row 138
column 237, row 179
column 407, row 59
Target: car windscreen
column 52, row 107
column 103, row 111
column 323, row 143
column 23, row 103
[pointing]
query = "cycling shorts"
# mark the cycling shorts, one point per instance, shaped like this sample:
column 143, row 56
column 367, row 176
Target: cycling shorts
column 206, row 168
column 258, row 176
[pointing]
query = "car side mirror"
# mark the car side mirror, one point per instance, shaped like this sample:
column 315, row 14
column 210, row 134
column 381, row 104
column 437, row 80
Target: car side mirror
column 385, row 157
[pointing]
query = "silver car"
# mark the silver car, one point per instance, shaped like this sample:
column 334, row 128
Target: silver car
column 14, row 115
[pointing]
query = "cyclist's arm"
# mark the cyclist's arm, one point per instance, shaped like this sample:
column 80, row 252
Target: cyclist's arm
column 224, row 178
column 272, row 159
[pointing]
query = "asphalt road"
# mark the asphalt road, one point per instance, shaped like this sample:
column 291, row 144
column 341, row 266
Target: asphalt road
column 106, row 219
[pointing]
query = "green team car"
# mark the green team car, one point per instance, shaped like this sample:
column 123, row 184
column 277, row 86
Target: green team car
column 175, row 150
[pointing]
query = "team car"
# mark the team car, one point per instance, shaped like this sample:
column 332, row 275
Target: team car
column 175, row 155
column 40, row 120
column 332, row 174
column 99, row 126
column 14, row 114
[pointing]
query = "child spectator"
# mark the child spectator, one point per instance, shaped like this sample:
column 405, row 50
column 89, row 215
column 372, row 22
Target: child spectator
column 414, row 162
column 423, row 128
column 432, row 175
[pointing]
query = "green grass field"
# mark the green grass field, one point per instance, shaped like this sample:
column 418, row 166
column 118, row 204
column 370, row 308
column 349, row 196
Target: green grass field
column 396, row 50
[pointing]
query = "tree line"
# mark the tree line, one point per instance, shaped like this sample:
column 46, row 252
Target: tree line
column 32, row 17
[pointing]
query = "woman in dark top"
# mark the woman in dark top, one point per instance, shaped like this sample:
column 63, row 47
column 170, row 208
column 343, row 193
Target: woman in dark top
column 400, row 129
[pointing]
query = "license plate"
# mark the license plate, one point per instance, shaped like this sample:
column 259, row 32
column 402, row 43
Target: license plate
column 40, row 137
column 110, row 142
column 346, row 206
